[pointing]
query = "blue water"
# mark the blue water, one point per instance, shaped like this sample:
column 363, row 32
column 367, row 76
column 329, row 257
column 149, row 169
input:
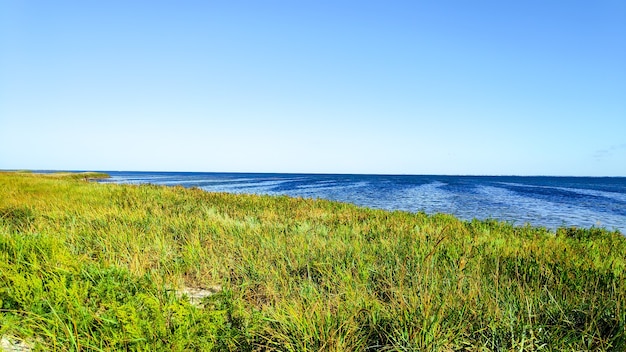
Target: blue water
column 541, row 201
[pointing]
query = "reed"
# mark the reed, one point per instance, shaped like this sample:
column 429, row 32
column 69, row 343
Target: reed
column 88, row 266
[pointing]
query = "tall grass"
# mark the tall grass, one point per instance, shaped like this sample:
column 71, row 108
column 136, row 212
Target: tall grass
column 87, row 266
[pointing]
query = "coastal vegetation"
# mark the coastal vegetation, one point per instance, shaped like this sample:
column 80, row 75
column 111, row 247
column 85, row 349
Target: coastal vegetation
column 91, row 266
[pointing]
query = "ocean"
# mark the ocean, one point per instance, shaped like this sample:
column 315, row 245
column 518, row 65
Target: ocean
column 549, row 202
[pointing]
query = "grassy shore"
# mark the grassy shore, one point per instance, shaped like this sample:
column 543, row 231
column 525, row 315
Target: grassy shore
column 88, row 266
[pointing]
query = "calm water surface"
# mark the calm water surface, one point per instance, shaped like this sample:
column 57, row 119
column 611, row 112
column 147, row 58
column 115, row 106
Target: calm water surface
column 541, row 201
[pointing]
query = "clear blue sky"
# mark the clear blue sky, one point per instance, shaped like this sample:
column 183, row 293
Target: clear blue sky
column 395, row 87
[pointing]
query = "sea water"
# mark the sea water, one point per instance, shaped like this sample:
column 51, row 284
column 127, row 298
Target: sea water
column 539, row 201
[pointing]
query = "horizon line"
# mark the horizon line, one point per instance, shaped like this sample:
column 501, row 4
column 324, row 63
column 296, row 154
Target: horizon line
column 305, row 173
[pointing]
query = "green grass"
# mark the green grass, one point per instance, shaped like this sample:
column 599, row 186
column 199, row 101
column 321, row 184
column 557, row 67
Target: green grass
column 85, row 176
column 88, row 266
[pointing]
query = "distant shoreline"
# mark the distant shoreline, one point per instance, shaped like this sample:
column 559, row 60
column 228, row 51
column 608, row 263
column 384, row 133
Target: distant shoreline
column 45, row 171
column 548, row 201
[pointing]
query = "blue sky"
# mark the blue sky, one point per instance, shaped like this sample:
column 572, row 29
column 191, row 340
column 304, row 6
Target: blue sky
column 391, row 87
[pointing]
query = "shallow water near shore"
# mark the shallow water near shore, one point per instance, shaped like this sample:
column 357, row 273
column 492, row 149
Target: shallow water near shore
column 539, row 201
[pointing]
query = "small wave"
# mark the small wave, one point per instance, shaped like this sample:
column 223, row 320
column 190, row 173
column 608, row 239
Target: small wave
column 582, row 191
